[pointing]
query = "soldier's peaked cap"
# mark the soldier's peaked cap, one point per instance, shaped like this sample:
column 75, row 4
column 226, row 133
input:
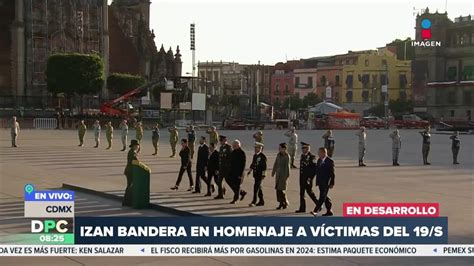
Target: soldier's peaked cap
column 304, row 144
column 222, row 137
column 259, row 144
column 134, row 142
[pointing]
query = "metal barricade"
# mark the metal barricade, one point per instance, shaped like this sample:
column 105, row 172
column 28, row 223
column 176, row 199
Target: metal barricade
column 45, row 123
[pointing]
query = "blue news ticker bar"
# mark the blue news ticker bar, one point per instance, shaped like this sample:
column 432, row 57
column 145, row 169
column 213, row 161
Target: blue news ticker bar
column 50, row 195
column 409, row 224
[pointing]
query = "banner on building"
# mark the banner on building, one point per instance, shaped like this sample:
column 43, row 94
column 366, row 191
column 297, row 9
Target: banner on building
column 166, row 102
column 199, row 101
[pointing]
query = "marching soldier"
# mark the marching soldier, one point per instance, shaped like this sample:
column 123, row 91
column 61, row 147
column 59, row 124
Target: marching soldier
column 174, row 136
column 237, row 168
column 281, row 172
column 455, row 146
column 329, row 142
column 213, row 135
column 131, row 157
column 201, row 163
column 124, row 133
column 139, row 131
column 396, row 146
column 425, row 150
column 258, row 136
column 155, row 137
column 109, row 134
column 307, row 173
column 97, row 129
column 224, row 166
column 82, row 132
column 292, row 145
column 15, row 130
column 191, row 139
column 212, row 168
column 362, row 137
column 258, row 168
column 185, row 165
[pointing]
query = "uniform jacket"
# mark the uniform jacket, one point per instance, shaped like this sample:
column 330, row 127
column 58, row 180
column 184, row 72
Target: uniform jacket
column 396, row 141
column 132, row 155
column 456, row 142
column 82, row 129
column 325, row 173
column 259, row 165
column 293, row 139
column 155, row 133
column 307, row 165
column 173, row 136
column 224, row 159
column 281, row 170
column 426, row 138
column 213, row 137
column 362, row 138
column 124, row 128
column 109, row 131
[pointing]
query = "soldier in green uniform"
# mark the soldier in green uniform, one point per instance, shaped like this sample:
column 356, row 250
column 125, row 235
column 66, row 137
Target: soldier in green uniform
column 425, row 150
column 191, row 139
column 109, row 134
column 224, row 166
column 213, row 135
column 131, row 157
column 455, row 146
column 329, row 142
column 258, row 136
column 258, row 168
column 174, row 136
column 281, row 172
column 139, row 131
column 14, row 130
column 82, row 132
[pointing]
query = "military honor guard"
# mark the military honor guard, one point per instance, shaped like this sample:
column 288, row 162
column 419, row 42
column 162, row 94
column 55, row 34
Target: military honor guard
column 213, row 135
column 201, row 163
column 224, row 166
column 155, row 137
column 455, row 146
column 124, row 133
column 396, row 146
column 185, row 165
column 325, row 180
column 82, row 132
column 362, row 139
column 212, row 169
column 191, row 139
column 258, row 167
column 281, row 172
column 258, row 136
column 14, row 131
column 132, row 157
column 237, row 168
column 292, row 145
column 307, row 173
column 425, row 149
column 109, row 134
column 174, row 136
column 97, row 128
column 329, row 142
column 139, row 131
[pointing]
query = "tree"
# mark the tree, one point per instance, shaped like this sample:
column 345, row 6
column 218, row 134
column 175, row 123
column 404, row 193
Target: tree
column 120, row 83
column 73, row 73
column 311, row 99
column 401, row 45
column 400, row 106
column 293, row 102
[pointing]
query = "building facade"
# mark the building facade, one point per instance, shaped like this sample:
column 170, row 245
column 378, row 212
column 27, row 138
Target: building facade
column 283, row 81
column 305, row 81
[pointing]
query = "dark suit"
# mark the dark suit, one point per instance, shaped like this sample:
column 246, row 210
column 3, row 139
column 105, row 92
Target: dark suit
column 236, row 175
column 259, row 168
column 201, row 164
column 307, row 172
column 185, row 166
column 325, row 178
column 127, row 198
column 212, row 168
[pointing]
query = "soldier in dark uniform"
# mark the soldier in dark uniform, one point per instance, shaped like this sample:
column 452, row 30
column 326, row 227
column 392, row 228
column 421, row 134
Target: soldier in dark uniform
column 201, row 164
column 325, row 179
column 455, row 146
column 259, row 168
column 131, row 156
column 224, row 166
column 426, row 144
column 185, row 165
column 236, row 174
column 191, row 139
column 307, row 172
column 212, row 168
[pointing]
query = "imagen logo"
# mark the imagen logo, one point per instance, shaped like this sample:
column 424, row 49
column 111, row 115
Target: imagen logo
column 426, row 35
column 426, row 29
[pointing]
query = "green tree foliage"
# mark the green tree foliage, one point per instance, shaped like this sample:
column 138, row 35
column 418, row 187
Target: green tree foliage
column 311, row 99
column 73, row 73
column 293, row 102
column 401, row 45
column 120, row 83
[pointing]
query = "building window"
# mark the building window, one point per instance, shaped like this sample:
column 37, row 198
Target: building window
column 297, row 81
column 277, row 88
column 468, row 73
column 349, row 81
column 349, row 96
column 451, row 113
column 452, row 72
column 383, row 79
column 365, row 96
column 337, row 80
column 365, row 79
column 310, row 82
column 366, row 62
column 322, row 81
column 202, row 74
column 216, row 76
column 336, row 96
column 287, row 89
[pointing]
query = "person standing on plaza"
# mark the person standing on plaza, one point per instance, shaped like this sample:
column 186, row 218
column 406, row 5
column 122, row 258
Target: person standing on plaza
column 132, row 158
column 213, row 135
column 14, row 131
column 201, row 163
column 224, row 166
column 329, row 142
column 425, row 149
column 155, row 137
column 174, row 136
column 292, row 145
column 139, row 131
column 307, row 173
column 258, row 136
column 281, row 172
column 258, row 167
column 82, row 132
column 455, row 146
column 237, row 168
column 396, row 146
column 325, row 178
column 191, row 139
column 185, row 165
column 212, row 168
column 362, row 141
column 109, row 134
column 97, row 128
column 124, row 133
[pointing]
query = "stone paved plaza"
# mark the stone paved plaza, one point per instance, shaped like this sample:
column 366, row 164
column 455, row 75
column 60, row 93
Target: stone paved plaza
column 51, row 158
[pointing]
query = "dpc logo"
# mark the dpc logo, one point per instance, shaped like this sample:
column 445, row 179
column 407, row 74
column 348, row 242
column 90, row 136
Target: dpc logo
column 426, row 29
